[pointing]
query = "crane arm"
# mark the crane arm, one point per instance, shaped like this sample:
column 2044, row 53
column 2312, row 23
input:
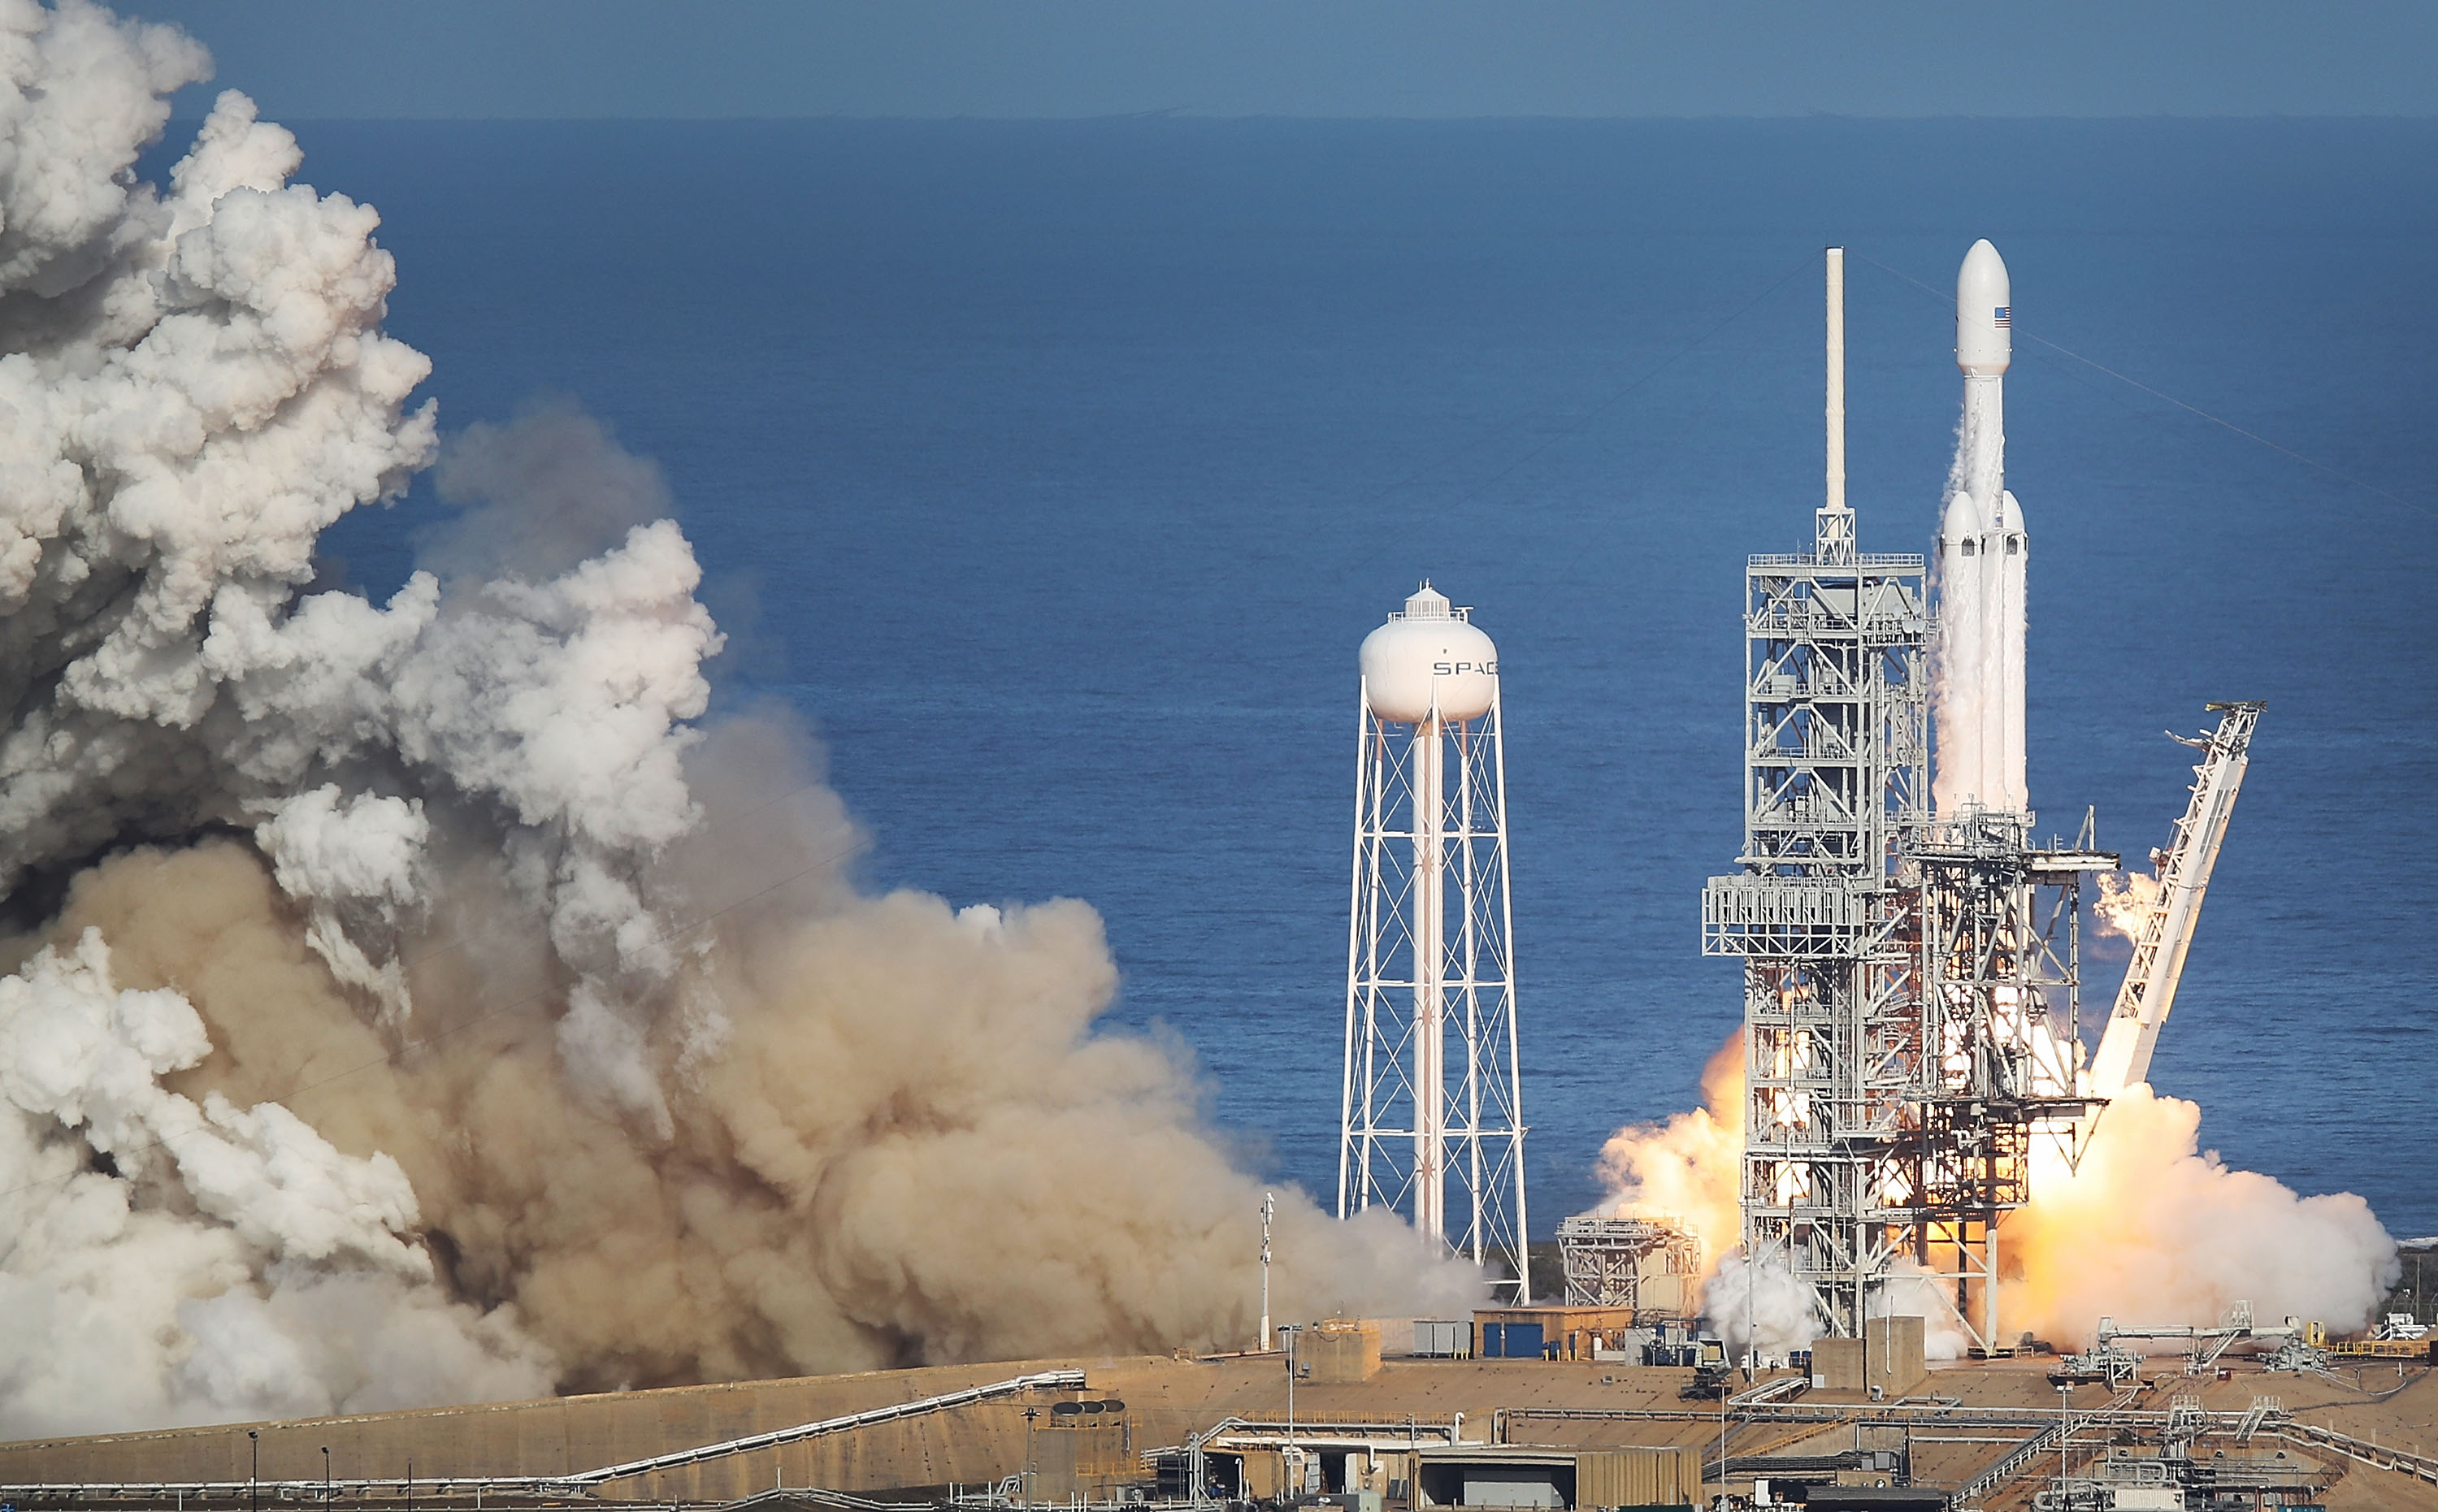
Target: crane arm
column 2150, row 989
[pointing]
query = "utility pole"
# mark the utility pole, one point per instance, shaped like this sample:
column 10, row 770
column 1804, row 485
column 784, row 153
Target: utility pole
column 326, row 1476
column 1723, row 1394
column 1030, row 1413
column 1291, row 1330
column 1269, row 1210
column 2065, row 1427
column 1751, row 1333
column 253, row 1481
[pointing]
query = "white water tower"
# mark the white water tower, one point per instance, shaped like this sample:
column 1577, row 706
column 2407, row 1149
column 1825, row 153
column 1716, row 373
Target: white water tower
column 1431, row 1125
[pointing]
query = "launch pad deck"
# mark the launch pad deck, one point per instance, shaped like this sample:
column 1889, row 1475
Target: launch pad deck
column 1985, row 1429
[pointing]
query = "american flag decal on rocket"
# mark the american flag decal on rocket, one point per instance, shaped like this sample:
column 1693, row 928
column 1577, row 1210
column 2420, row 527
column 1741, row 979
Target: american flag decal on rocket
column 2004, row 316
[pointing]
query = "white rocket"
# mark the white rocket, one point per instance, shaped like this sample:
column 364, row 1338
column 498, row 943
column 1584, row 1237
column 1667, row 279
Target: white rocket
column 1982, row 553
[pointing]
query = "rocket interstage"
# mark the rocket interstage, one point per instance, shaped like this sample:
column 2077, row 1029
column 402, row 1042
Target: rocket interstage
column 1981, row 556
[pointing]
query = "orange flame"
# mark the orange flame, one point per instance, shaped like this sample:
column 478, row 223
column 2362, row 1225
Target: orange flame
column 2149, row 1228
column 1687, row 1167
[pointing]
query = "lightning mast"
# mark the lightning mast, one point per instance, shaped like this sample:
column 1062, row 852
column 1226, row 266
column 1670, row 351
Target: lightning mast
column 1431, row 1121
column 1836, row 747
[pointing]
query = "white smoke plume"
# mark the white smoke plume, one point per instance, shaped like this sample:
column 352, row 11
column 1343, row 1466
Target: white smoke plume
column 124, row 1306
column 2151, row 1228
column 1912, row 1291
column 2127, row 898
column 421, row 1001
column 1759, row 1306
column 1687, row 1168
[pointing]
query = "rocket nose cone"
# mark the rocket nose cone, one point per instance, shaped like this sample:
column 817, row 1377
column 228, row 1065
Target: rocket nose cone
column 1982, row 262
column 1960, row 521
column 1984, row 311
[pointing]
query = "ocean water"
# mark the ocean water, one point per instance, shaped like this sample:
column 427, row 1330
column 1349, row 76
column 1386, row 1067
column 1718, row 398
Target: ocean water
column 1053, row 471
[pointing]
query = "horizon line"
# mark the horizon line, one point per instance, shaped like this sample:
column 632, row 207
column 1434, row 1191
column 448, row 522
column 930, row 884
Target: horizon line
column 1190, row 114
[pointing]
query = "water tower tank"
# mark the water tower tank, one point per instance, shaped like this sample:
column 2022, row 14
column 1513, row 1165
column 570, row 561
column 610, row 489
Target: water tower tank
column 1430, row 650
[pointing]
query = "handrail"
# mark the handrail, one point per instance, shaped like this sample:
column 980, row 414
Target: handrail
column 2111, row 1416
column 1899, row 561
column 587, row 1481
column 1046, row 1381
column 2008, row 1468
column 818, row 1496
column 1770, row 1390
column 2403, row 1462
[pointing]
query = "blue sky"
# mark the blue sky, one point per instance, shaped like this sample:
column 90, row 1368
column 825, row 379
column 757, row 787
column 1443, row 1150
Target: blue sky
column 657, row 58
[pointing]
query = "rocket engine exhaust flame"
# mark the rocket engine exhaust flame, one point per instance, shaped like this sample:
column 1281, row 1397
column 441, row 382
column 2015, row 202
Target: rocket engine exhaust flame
column 436, row 1008
column 2149, row 1225
column 1685, row 1168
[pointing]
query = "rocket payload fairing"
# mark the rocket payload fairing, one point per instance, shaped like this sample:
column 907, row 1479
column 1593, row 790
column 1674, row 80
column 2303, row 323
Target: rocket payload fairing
column 1983, row 551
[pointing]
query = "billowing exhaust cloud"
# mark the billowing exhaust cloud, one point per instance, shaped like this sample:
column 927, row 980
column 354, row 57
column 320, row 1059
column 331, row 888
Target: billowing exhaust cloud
column 420, row 1001
column 2152, row 1229
column 2147, row 1227
column 1688, row 1166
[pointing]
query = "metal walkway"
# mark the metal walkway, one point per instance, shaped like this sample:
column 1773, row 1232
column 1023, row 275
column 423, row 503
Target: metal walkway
column 2311, row 1435
column 1047, row 1381
column 583, row 1486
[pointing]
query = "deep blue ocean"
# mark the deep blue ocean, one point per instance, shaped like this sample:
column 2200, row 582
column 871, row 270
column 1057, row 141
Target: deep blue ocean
column 1055, row 470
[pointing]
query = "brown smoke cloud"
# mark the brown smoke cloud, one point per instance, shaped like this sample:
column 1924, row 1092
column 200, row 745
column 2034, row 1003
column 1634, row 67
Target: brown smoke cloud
column 895, row 1139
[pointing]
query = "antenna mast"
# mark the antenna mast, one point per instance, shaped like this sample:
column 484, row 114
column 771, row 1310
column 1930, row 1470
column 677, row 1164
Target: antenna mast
column 1836, row 539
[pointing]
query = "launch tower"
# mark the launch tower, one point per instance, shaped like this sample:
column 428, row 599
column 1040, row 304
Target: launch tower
column 1430, row 1121
column 1909, row 989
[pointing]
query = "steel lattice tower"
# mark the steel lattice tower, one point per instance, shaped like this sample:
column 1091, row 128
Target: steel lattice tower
column 1431, row 1122
column 1908, row 1008
column 1835, row 758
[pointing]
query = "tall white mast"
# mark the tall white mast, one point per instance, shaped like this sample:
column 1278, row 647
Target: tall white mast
column 1836, row 537
column 1267, row 1339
